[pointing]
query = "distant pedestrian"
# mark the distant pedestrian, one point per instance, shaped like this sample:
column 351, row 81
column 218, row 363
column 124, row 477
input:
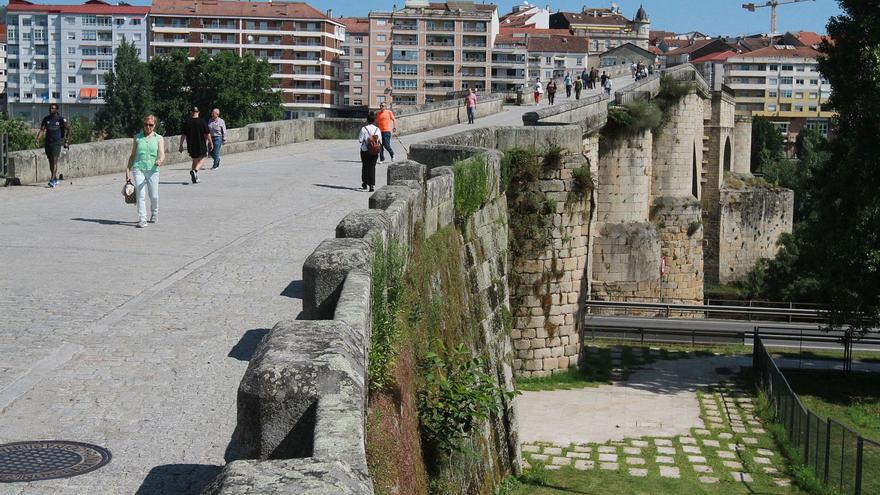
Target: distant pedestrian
column 585, row 78
column 608, row 86
column 594, row 77
column 370, row 139
column 539, row 90
column 217, row 127
column 578, row 87
column 634, row 68
column 198, row 142
column 603, row 79
column 551, row 91
column 386, row 123
column 471, row 104
column 53, row 126
column 147, row 155
column 568, row 85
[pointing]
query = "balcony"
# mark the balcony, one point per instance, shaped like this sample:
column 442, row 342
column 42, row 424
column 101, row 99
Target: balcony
column 440, row 56
column 508, row 61
column 473, row 73
column 475, row 28
column 439, row 72
column 404, row 55
column 441, row 26
column 411, row 40
column 474, row 41
column 440, row 41
column 406, row 26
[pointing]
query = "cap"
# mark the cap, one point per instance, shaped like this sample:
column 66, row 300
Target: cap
column 194, row 109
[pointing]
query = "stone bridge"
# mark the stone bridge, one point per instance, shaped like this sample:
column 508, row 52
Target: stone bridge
column 136, row 339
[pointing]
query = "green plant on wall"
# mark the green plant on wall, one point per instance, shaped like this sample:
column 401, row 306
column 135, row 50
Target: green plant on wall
column 582, row 183
column 632, row 118
column 457, row 395
column 387, row 275
column 471, row 186
column 530, row 210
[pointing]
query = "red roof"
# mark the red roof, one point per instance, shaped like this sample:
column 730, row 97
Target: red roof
column 2, row 33
column 783, row 52
column 225, row 8
column 714, row 57
column 809, row 38
column 690, row 48
column 355, row 24
column 91, row 7
column 558, row 44
column 507, row 30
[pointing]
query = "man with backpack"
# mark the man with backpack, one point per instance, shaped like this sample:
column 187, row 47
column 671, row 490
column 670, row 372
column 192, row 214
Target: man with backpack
column 370, row 139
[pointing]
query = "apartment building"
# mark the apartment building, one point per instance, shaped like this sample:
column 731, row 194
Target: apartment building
column 554, row 56
column 3, row 65
column 303, row 44
column 355, row 63
column 783, row 84
column 606, row 28
column 509, row 69
column 61, row 54
column 424, row 51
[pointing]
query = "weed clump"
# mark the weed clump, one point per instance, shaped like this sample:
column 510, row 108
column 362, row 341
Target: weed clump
column 471, row 186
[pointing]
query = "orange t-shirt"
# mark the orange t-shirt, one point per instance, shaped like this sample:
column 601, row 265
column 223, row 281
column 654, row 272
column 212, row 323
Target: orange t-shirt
column 383, row 120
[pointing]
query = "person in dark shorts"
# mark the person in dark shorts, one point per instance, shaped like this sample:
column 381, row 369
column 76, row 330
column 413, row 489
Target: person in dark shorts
column 198, row 142
column 53, row 126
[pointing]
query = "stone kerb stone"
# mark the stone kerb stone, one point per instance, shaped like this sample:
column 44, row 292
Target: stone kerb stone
column 290, row 477
column 442, row 155
column 568, row 137
column 358, row 223
column 324, row 272
column 407, row 170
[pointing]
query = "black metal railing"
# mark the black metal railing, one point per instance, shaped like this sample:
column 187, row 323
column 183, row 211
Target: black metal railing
column 671, row 310
column 841, row 458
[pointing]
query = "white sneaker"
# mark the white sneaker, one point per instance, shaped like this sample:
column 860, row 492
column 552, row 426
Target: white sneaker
column 141, row 224
column 154, row 218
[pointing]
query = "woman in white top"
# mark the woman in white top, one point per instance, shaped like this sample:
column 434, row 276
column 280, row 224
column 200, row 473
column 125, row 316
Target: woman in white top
column 370, row 139
column 539, row 90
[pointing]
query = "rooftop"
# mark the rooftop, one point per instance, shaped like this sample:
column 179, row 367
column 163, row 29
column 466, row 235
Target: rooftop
column 226, row 8
column 715, row 57
column 355, row 24
column 783, row 51
column 91, row 7
column 558, row 44
column 595, row 17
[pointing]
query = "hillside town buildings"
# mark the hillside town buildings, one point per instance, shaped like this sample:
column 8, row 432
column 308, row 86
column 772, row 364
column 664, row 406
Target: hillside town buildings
column 61, row 54
column 303, row 44
column 605, row 28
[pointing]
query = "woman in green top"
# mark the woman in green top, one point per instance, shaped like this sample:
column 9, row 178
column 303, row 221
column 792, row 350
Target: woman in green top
column 147, row 154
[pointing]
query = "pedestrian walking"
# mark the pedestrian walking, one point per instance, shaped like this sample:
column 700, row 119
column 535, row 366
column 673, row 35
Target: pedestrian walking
column 594, row 77
column 602, row 80
column 370, row 139
column 568, row 85
column 578, row 87
column 198, row 142
column 471, row 104
column 585, row 78
column 387, row 125
column 53, row 126
column 551, row 91
column 539, row 90
column 608, row 86
column 217, row 128
column 147, row 155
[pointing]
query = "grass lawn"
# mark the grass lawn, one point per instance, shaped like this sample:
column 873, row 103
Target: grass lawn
column 853, row 399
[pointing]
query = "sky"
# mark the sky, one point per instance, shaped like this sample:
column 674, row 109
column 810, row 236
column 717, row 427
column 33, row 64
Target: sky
column 712, row 17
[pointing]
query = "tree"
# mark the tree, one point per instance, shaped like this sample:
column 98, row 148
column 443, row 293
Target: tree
column 812, row 156
column 129, row 94
column 81, row 130
column 767, row 143
column 170, row 91
column 19, row 133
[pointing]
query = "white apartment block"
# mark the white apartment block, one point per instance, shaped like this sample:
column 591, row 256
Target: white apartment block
column 303, row 44
column 61, row 54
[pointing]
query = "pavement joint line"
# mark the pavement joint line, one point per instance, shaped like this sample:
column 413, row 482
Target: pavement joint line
column 42, row 369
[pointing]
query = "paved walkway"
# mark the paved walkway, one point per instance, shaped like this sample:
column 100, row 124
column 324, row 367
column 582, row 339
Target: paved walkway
column 136, row 340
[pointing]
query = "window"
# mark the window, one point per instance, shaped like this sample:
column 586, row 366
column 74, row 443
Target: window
column 28, row 96
column 799, row 82
column 71, row 50
column 772, row 94
column 548, row 60
column 380, row 68
column 799, row 95
column 27, row 80
column 105, row 64
column 785, row 93
column 26, row 65
column 357, row 77
column 381, row 22
column 800, row 68
column 820, row 125
column 771, row 107
column 774, row 82
column 13, row 64
column 813, row 108
column 56, row 95
column 71, row 65
column 136, row 36
column 381, row 37
column 70, row 20
column 26, row 36
column 71, row 94
column 359, row 52
column 102, row 92
column 90, row 35
column 380, row 53
column 90, row 20
column 90, row 51
column 786, row 80
column 71, row 79
column 580, row 61
column 787, row 68
column 357, row 103
column 12, row 33
column 357, row 65
column 774, row 67
column 358, row 90
column 71, row 35
column 798, row 108
column 381, row 83
column 120, row 21
column 814, row 96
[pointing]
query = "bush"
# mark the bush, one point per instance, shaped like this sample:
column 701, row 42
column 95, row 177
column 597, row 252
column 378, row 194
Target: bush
column 457, row 396
column 20, row 135
column 520, row 167
column 632, row 118
column 81, row 130
column 387, row 275
column 582, row 183
column 471, row 186
column 553, row 157
column 693, row 227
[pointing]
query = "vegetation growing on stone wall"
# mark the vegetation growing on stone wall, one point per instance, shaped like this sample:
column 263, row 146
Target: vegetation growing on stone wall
column 693, row 227
column 671, row 92
column 471, row 186
column 631, row 118
column 553, row 156
column 582, row 183
column 530, row 210
column 387, row 272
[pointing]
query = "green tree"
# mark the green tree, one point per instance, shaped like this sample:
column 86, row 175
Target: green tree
column 20, row 134
column 768, row 145
column 170, row 91
column 81, row 130
column 797, row 175
column 129, row 94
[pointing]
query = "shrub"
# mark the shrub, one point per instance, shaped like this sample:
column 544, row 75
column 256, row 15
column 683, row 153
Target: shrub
column 471, row 186
column 553, row 157
column 693, row 227
column 457, row 395
column 81, row 130
column 520, row 167
column 21, row 137
column 632, row 118
column 387, row 275
column 582, row 183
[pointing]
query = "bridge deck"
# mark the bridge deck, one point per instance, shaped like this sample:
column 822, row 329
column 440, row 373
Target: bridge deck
column 136, row 339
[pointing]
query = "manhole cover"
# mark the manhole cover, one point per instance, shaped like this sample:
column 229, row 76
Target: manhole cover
column 49, row 459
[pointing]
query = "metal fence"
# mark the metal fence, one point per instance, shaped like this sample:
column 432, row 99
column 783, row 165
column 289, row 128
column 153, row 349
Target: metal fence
column 841, row 458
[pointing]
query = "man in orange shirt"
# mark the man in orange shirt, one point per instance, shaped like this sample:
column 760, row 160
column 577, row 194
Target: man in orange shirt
column 386, row 123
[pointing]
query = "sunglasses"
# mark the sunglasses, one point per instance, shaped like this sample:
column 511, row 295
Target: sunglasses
column 149, row 125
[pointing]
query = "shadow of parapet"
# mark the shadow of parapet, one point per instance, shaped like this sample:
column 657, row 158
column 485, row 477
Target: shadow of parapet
column 245, row 347
column 294, row 290
column 344, row 188
column 179, row 479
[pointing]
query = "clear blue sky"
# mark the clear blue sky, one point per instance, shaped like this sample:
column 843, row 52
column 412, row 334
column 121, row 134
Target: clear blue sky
column 712, row 17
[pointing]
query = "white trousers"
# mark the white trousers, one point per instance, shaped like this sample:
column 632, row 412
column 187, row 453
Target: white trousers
column 150, row 181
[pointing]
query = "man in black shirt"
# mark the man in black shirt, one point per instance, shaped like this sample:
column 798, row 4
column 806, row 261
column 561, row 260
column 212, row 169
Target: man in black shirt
column 198, row 142
column 52, row 126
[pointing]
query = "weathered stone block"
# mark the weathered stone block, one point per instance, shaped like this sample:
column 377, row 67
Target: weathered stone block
column 324, row 272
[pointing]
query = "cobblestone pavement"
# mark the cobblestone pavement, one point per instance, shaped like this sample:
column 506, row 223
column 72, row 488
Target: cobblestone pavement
column 136, row 339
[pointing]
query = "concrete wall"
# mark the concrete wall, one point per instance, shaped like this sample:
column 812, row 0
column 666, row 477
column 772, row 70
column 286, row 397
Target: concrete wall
column 751, row 221
column 111, row 156
column 302, row 401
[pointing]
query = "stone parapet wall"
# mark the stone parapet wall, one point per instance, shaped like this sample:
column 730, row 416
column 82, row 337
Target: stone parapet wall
column 589, row 113
column 111, row 156
column 302, row 402
column 679, row 223
column 751, row 220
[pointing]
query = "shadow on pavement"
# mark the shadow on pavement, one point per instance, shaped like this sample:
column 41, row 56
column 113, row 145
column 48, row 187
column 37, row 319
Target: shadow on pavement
column 180, row 479
column 247, row 344
column 104, row 221
column 346, row 188
column 294, row 290
column 181, row 183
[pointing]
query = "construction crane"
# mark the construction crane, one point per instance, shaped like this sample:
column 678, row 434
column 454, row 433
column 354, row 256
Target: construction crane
column 773, row 4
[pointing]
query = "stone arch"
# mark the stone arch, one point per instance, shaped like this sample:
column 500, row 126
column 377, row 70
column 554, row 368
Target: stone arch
column 695, row 173
column 728, row 152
